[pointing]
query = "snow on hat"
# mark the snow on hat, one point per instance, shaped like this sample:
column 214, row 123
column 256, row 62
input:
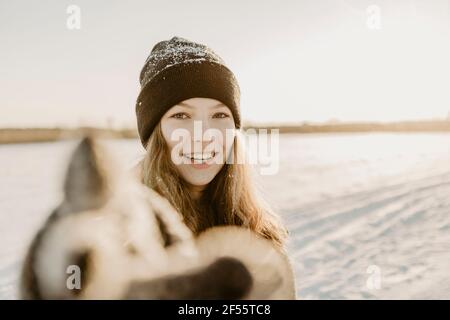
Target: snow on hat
column 179, row 69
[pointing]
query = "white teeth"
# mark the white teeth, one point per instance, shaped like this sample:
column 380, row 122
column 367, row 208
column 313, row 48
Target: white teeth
column 200, row 156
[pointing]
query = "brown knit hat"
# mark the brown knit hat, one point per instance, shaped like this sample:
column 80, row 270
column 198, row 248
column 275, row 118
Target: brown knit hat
column 179, row 69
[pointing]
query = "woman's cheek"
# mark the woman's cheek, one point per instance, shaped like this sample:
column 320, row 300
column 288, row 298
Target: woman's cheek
column 175, row 135
column 229, row 141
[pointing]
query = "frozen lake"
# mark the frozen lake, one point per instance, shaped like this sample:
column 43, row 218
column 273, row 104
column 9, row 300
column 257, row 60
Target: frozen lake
column 368, row 214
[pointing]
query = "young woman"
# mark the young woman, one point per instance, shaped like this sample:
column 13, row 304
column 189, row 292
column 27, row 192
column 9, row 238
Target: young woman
column 186, row 87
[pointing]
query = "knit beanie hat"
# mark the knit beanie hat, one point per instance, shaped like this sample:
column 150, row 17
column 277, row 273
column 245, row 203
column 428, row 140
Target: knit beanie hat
column 179, row 69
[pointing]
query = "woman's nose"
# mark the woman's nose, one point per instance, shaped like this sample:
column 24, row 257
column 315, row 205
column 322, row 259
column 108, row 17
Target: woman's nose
column 200, row 127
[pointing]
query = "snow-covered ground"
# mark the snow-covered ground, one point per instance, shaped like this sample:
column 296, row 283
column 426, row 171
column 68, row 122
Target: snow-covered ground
column 368, row 214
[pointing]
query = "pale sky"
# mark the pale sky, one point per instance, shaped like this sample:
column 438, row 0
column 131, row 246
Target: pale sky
column 295, row 60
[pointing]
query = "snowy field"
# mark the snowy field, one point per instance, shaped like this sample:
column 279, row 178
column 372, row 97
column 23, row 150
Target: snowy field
column 368, row 214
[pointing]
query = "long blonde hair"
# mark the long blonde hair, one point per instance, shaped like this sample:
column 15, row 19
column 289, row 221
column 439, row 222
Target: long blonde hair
column 229, row 199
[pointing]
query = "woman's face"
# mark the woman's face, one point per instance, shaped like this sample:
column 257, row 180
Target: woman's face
column 200, row 134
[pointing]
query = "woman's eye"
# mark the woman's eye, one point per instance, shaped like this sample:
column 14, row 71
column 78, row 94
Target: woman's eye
column 180, row 115
column 221, row 115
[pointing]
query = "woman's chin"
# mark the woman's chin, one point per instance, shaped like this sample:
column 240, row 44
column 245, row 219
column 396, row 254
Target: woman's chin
column 198, row 181
column 198, row 175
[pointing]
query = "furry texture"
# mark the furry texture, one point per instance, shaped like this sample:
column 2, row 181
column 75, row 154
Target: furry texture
column 129, row 242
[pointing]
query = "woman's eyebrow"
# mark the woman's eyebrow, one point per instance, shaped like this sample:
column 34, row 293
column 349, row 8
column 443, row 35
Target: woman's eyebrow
column 219, row 105
column 184, row 104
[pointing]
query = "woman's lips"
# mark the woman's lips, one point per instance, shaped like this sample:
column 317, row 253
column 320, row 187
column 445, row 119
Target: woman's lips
column 200, row 160
column 200, row 166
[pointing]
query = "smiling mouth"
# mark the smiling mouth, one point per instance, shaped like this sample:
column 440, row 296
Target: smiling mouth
column 199, row 157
